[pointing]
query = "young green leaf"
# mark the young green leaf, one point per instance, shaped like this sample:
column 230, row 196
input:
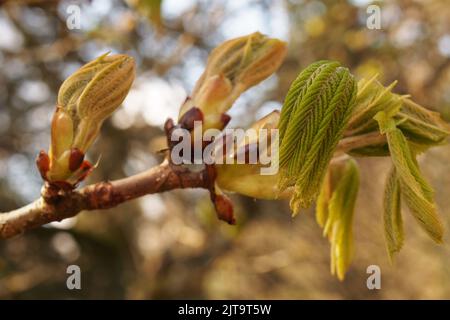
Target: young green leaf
column 393, row 223
column 338, row 226
column 323, row 200
column 314, row 116
column 417, row 193
column 422, row 126
column 372, row 97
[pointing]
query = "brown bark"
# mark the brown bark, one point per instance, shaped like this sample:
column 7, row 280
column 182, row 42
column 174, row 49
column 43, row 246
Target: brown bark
column 56, row 205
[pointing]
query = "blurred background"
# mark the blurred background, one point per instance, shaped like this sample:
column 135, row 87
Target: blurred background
column 171, row 245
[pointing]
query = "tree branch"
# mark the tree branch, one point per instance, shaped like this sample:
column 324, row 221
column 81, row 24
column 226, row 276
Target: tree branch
column 56, row 205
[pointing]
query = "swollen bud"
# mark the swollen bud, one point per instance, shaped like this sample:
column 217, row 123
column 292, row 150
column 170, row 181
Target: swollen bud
column 246, row 60
column 85, row 100
column 92, row 93
column 233, row 67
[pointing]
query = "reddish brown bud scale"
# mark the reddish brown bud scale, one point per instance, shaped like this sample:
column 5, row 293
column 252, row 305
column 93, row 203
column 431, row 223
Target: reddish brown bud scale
column 225, row 119
column 224, row 208
column 222, row 204
column 43, row 164
column 168, row 126
column 76, row 159
column 187, row 120
column 86, row 168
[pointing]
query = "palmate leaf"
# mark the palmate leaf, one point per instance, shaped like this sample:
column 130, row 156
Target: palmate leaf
column 417, row 193
column 314, row 116
column 392, row 218
column 321, row 103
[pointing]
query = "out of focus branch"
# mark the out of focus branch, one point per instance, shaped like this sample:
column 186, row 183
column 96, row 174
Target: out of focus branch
column 56, row 205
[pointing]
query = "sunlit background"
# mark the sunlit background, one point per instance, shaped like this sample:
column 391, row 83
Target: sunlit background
column 171, row 245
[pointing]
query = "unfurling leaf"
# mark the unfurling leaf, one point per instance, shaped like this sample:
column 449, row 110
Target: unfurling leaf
column 423, row 128
column 232, row 68
column 372, row 97
column 339, row 215
column 392, row 217
column 314, row 115
column 417, row 193
column 85, row 100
